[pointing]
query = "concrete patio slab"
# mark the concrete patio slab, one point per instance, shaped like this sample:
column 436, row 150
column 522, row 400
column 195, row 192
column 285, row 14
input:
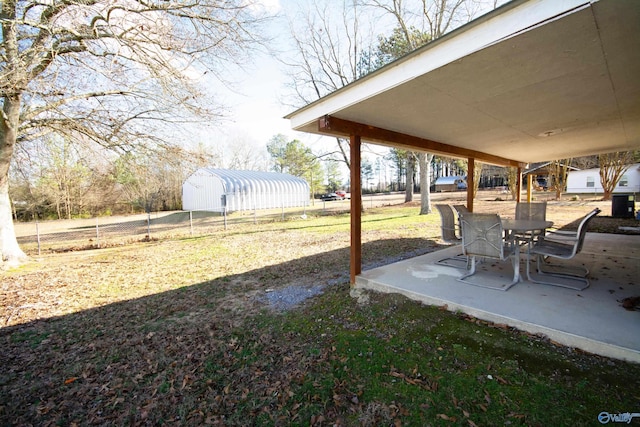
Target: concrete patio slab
column 592, row 320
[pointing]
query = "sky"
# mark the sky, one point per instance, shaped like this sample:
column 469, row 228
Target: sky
column 256, row 112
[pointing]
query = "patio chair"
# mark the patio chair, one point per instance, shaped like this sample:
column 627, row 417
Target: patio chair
column 561, row 245
column 448, row 224
column 532, row 211
column 449, row 234
column 461, row 209
column 482, row 236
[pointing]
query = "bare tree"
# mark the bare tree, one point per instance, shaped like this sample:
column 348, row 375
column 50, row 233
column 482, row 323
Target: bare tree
column 63, row 176
column 612, row 167
column 120, row 73
column 332, row 50
column 512, row 182
column 558, row 170
column 586, row 162
column 152, row 180
column 242, row 153
column 477, row 173
column 417, row 23
column 328, row 48
column 424, row 160
column 411, row 172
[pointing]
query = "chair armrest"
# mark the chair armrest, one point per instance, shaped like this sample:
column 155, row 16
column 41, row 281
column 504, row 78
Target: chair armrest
column 561, row 236
column 564, row 238
column 558, row 231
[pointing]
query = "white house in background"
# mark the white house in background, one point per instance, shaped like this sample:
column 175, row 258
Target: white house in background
column 209, row 189
column 588, row 181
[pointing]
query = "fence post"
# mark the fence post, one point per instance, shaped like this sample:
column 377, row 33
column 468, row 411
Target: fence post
column 225, row 217
column 191, row 223
column 97, row 233
column 38, row 236
column 149, row 225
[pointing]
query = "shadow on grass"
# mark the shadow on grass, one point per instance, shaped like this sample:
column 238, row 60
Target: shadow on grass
column 215, row 353
column 169, row 357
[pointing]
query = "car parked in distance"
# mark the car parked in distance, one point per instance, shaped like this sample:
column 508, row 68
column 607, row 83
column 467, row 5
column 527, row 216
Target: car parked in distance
column 329, row 197
column 343, row 195
column 542, row 184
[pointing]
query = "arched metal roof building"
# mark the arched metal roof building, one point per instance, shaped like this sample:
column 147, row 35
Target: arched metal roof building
column 208, row 189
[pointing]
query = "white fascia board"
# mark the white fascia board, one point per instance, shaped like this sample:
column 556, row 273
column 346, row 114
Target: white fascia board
column 507, row 21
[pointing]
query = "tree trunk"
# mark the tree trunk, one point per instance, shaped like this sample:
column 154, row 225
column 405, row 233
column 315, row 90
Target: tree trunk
column 612, row 167
column 424, row 160
column 10, row 250
column 408, row 191
column 477, row 174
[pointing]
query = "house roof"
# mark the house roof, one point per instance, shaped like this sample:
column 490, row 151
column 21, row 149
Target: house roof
column 543, row 168
column 634, row 167
column 532, row 81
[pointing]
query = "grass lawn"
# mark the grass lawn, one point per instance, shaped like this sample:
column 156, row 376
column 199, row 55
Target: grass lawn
column 187, row 331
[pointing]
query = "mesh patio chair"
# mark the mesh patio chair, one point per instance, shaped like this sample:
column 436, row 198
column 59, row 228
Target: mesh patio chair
column 448, row 224
column 561, row 245
column 532, row 211
column 482, row 237
column 449, row 231
column 461, row 209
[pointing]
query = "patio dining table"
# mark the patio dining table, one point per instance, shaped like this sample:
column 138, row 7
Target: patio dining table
column 513, row 226
column 525, row 225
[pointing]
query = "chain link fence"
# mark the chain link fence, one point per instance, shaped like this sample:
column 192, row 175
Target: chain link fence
column 41, row 237
column 79, row 234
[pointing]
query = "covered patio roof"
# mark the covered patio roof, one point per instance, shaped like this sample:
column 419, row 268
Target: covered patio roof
column 534, row 80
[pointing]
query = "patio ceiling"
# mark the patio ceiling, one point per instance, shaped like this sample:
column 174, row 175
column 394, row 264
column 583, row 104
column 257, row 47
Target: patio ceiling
column 534, row 80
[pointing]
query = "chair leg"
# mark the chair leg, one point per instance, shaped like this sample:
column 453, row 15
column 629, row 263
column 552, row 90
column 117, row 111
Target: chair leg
column 458, row 261
column 564, row 280
column 472, row 271
column 471, row 268
column 516, row 269
column 577, row 271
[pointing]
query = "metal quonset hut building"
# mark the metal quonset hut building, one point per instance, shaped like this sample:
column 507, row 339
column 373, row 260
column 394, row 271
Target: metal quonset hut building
column 207, row 189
